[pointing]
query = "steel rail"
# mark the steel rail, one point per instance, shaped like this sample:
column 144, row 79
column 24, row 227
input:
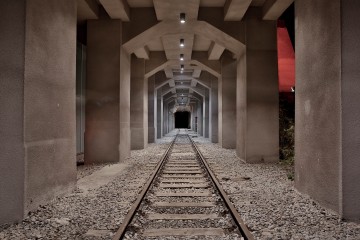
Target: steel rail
column 130, row 215
column 246, row 234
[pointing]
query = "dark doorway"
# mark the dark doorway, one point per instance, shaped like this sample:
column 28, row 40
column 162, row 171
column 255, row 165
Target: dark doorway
column 182, row 120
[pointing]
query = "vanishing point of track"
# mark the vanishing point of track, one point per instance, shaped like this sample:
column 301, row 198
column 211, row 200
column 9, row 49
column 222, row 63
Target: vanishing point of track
column 181, row 200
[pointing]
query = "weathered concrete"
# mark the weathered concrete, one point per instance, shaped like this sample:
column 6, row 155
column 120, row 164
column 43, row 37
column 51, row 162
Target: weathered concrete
column 214, row 124
column 107, row 136
column 327, row 93
column 206, row 114
column 138, row 104
column 257, row 88
column 151, row 109
column 38, row 145
column 227, row 102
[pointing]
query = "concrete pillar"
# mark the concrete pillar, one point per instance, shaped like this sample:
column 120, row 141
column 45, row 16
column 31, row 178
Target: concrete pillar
column 37, row 104
column 165, row 117
column 199, row 114
column 107, row 134
column 257, row 88
column 227, row 102
column 138, row 104
column 206, row 113
column 158, row 114
column 327, row 165
column 214, row 125
column 151, row 109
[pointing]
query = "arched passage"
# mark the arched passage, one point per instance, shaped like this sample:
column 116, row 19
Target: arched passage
column 182, row 120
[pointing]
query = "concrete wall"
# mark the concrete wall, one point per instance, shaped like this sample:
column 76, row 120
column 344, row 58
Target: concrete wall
column 138, row 104
column 327, row 93
column 107, row 135
column 257, row 86
column 38, row 143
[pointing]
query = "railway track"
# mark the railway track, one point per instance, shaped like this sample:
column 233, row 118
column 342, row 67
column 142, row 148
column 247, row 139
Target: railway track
column 182, row 200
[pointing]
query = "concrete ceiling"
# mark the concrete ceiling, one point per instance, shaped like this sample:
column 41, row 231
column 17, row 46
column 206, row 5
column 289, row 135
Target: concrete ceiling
column 199, row 36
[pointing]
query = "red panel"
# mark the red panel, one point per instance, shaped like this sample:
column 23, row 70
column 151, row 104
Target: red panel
column 286, row 60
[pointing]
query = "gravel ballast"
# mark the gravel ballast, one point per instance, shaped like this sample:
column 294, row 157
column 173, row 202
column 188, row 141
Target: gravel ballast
column 262, row 194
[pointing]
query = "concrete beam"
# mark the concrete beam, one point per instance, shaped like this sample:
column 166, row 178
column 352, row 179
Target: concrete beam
column 172, row 83
column 117, row 9
column 234, row 10
column 87, row 9
column 197, row 27
column 168, row 72
column 273, row 9
column 196, row 73
column 193, row 83
column 215, row 51
column 142, row 53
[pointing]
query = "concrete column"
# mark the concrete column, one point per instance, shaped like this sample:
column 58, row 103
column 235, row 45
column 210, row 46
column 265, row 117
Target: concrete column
column 214, row 125
column 327, row 165
column 37, row 104
column 207, row 114
column 257, row 88
column 107, row 135
column 151, row 109
column 227, row 102
column 138, row 104
column 165, row 118
column 158, row 114
column 199, row 114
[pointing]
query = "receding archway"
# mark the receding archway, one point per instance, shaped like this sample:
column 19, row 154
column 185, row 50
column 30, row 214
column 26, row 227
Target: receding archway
column 182, row 119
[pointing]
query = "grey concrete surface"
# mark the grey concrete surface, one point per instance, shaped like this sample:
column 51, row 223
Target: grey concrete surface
column 40, row 164
column 138, row 104
column 227, row 104
column 49, row 97
column 257, row 88
column 327, row 116
column 108, row 94
column 214, row 111
column 12, row 153
column 151, row 109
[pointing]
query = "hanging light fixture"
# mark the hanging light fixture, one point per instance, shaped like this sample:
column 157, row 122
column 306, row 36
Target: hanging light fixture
column 182, row 42
column 181, row 57
column 182, row 18
column 182, row 67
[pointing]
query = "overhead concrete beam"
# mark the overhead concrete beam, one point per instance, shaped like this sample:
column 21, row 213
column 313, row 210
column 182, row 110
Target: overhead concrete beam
column 142, row 53
column 196, row 73
column 273, row 9
column 87, row 9
column 201, row 28
column 168, row 72
column 171, row 83
column 234, row 10
column 215, row 51
column 200, row 65
column 193, row 83
column 117, row 9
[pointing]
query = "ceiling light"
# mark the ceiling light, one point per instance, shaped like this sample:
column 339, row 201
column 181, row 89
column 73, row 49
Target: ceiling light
column 182, row 67
column 182, row 42
column 181, row 82
column 181, row 57
column 182, row 17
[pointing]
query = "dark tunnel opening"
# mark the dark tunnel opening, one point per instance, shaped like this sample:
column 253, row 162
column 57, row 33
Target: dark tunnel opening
column 182, row 120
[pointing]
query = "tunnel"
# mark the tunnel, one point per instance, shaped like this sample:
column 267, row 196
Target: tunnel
column 182, row 120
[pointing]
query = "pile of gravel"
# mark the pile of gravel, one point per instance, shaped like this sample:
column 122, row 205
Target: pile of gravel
column 262, row 194
column 90, row 216
column 268, row 202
